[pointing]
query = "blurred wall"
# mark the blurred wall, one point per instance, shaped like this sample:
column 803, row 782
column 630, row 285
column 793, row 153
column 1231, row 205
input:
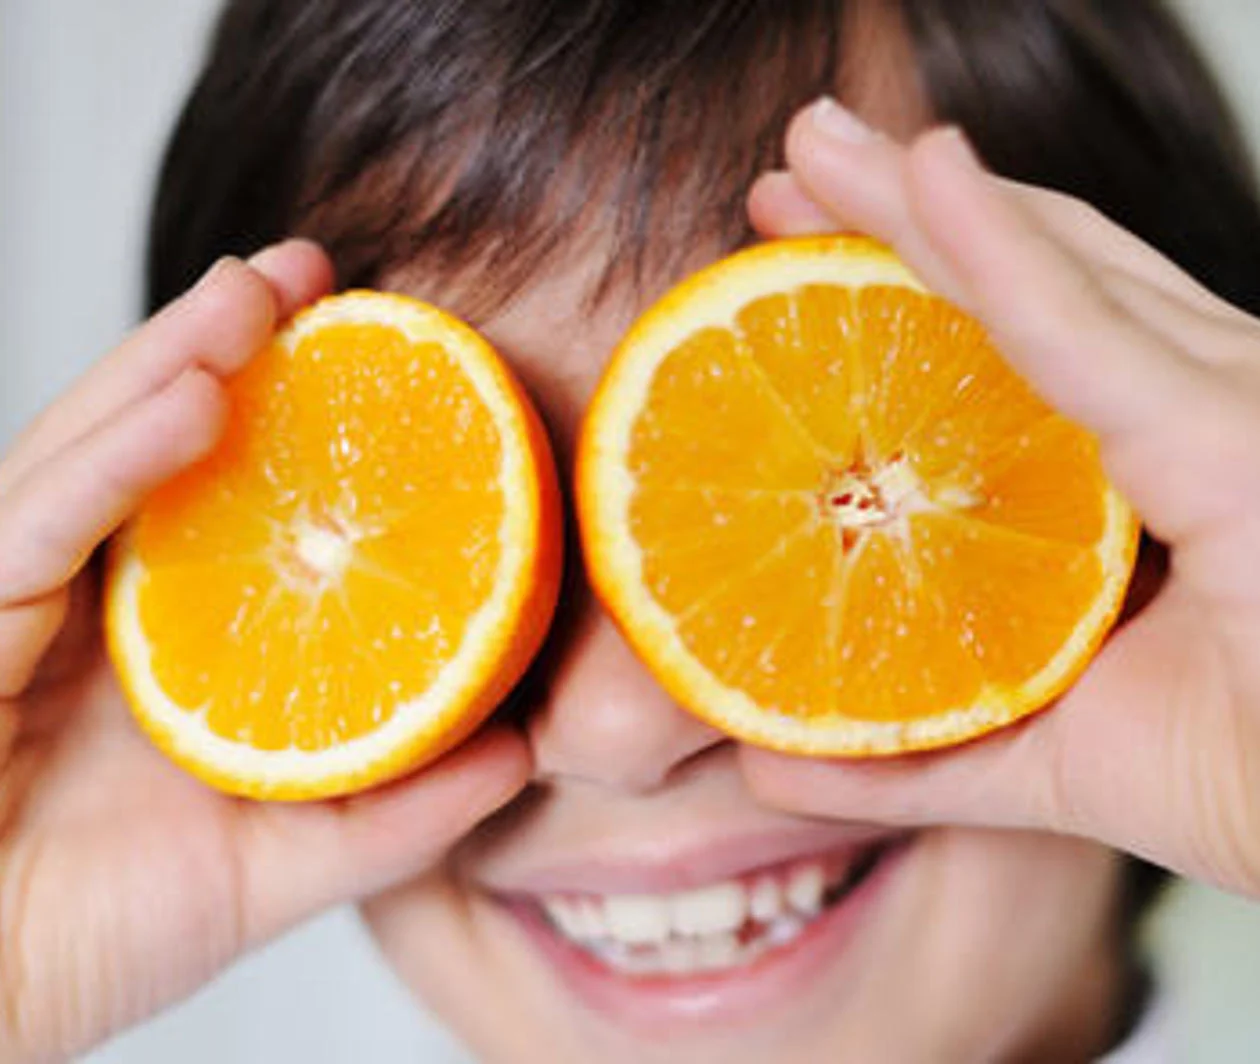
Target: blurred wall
column 87, row 90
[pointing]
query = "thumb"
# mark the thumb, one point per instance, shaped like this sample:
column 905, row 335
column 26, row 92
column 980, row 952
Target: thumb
column 1114, row 760
column 1005, row 780
column 1068, row 768
column 296, row 860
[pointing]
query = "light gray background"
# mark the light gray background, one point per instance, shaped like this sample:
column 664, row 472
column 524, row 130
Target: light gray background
column 87, row 91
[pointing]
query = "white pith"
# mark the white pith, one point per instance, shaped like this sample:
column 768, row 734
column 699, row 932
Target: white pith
column 323, row 552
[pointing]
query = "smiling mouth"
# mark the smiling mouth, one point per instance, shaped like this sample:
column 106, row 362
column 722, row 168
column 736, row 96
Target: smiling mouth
column 714, row 929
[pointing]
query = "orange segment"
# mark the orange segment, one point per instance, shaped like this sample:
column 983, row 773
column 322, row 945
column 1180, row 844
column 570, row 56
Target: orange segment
column 709, row 375
column 1022, row 492
column 832, row 520
column 359, row 572
column 777, row 331
column 759, row 632
column 695, row 533
column 898, row 648
column 1011, row 598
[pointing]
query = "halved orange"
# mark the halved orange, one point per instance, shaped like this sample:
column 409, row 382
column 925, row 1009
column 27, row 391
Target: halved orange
column 831, row 519
column 361, row 570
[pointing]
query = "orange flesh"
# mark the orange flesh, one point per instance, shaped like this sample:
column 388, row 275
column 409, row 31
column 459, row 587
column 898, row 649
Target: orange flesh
column 872, row 529
column 343, row 498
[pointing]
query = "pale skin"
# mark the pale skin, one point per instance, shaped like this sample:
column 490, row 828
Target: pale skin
column 1154, row 751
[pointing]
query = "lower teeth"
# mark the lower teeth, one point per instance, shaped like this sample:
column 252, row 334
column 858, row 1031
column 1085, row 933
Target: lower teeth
column 682, row 956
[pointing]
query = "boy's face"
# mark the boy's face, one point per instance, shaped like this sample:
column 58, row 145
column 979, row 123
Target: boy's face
column 956, row 945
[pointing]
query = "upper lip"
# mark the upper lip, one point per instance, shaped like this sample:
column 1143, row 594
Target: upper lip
column 659, row 867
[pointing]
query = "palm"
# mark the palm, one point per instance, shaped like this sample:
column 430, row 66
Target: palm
column 108, row 855
column 1167, row 715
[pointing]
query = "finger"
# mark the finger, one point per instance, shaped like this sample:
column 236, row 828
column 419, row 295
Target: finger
column 51, row 521
column 846, row 175
column 1095, row 238
column 1038, row 302
column 1117, row 759
column 298, row 271
column 779, row 207
column 863, row 186
column 980, row 246
column 857, row 178
column 1000, row 781
column 1145, row 283
column 297, row 860
column 217, row 325
column 1051, row 771
column 27, row 630
column 1153, row 289
column 1015, row 777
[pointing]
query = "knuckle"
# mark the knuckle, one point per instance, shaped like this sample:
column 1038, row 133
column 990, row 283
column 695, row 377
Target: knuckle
column 1085, row 300
column 14, row 465
column 192, row 437
column 27, row 538
column 26, row 633
column 216, row 322
column 1061, row 209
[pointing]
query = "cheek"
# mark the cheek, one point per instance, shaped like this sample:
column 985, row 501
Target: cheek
column 457, row 958
column 427, row 930
column 989, row 929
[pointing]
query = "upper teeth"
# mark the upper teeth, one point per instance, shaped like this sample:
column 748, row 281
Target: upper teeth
column 724, row 907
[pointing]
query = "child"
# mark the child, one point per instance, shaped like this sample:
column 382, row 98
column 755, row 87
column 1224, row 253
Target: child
column 544, row 168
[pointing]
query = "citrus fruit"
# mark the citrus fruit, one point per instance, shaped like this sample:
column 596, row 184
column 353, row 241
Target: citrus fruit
column 832, row 520
column 361, row 570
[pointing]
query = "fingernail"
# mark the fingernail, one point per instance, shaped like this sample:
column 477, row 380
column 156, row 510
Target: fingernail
column 957, row 148
column 224, row 262
column 838, row 123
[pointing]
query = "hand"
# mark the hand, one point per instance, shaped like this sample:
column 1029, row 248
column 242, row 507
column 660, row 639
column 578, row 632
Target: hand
column 125, row 884
column 1156, row 749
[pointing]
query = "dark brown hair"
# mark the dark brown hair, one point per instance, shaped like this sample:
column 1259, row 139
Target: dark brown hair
column 492, row 135
column 1107, row 100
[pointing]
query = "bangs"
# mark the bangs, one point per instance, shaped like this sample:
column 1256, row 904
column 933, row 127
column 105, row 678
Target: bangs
column 477, row 143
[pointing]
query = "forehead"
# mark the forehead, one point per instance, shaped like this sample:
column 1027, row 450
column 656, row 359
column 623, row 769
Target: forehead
column 553, row 334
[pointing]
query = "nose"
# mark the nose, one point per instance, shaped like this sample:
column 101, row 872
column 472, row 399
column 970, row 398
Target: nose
column 604, row 719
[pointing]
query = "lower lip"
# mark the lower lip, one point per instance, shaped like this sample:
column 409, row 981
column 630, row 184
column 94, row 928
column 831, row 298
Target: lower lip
column 725, row 998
